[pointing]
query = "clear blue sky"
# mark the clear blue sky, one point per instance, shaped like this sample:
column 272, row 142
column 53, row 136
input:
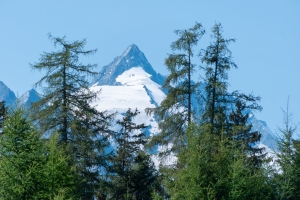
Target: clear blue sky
column 267, row 50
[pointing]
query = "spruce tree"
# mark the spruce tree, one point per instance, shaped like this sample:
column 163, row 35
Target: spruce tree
column 21, row 158
column 288, row 160
column 296, row 168
column 65, row 108
column 175, row 111
column 145, row 177
column 132, row 174
column 242, row 135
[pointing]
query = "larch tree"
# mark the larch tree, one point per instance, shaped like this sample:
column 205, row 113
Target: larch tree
column 218, row 61
column 218, row 102
column 65, row 108
column 175, row 111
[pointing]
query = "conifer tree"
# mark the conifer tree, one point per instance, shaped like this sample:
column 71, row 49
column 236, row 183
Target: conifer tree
column 21, row 158
column 133, row 175
column 2, row 114
column 29, row 168
column 67, row 91
column 58, row 177
column 218, row 101
column 213, row 167
column 288, row 160
column 65, row 108
column 242, row 135
column 296, row 168
column 175, row 111
column 145, row 178
column 218, row 61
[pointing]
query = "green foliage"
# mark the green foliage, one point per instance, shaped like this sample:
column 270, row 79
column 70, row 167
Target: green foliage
column 175, row 111
column 31, row 169
column 145, row 178
column 212, row 167
column 2, row 114
column 246, row 139
column 224, row 110
column 21, row 158
column 59, row 178
column 218, row 61
column 87, row 150
column 296, row 169
column 288, row 178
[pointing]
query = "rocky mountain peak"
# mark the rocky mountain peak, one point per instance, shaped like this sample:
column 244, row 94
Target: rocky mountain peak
column 6, row 94
column 131, row 57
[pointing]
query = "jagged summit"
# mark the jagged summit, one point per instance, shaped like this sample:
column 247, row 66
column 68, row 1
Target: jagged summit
column 131, row 57
column 29, row 97
column 6, row 94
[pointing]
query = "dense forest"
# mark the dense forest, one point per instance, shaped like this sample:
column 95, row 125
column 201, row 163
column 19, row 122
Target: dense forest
column 60, row 148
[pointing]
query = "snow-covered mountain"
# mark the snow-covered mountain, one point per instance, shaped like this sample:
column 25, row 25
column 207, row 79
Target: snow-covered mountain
column 132, row 57
column 131, row 82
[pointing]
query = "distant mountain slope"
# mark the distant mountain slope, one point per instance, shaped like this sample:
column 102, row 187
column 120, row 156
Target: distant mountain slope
column 131, row 57
column 9, row 96
column 135, row 90
column 268, row 137
column 6, row 94
column 29, row 97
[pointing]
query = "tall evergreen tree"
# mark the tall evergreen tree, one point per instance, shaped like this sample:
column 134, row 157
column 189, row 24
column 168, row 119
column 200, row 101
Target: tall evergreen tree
column 67, row 91
column 65, row 107
column 223, row 109
column 218, row 61
column 133, row 175
column 288, row 160
column 175, row 111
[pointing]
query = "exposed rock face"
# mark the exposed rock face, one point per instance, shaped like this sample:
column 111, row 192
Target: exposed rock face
column 132, row 57
column 6, row 94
